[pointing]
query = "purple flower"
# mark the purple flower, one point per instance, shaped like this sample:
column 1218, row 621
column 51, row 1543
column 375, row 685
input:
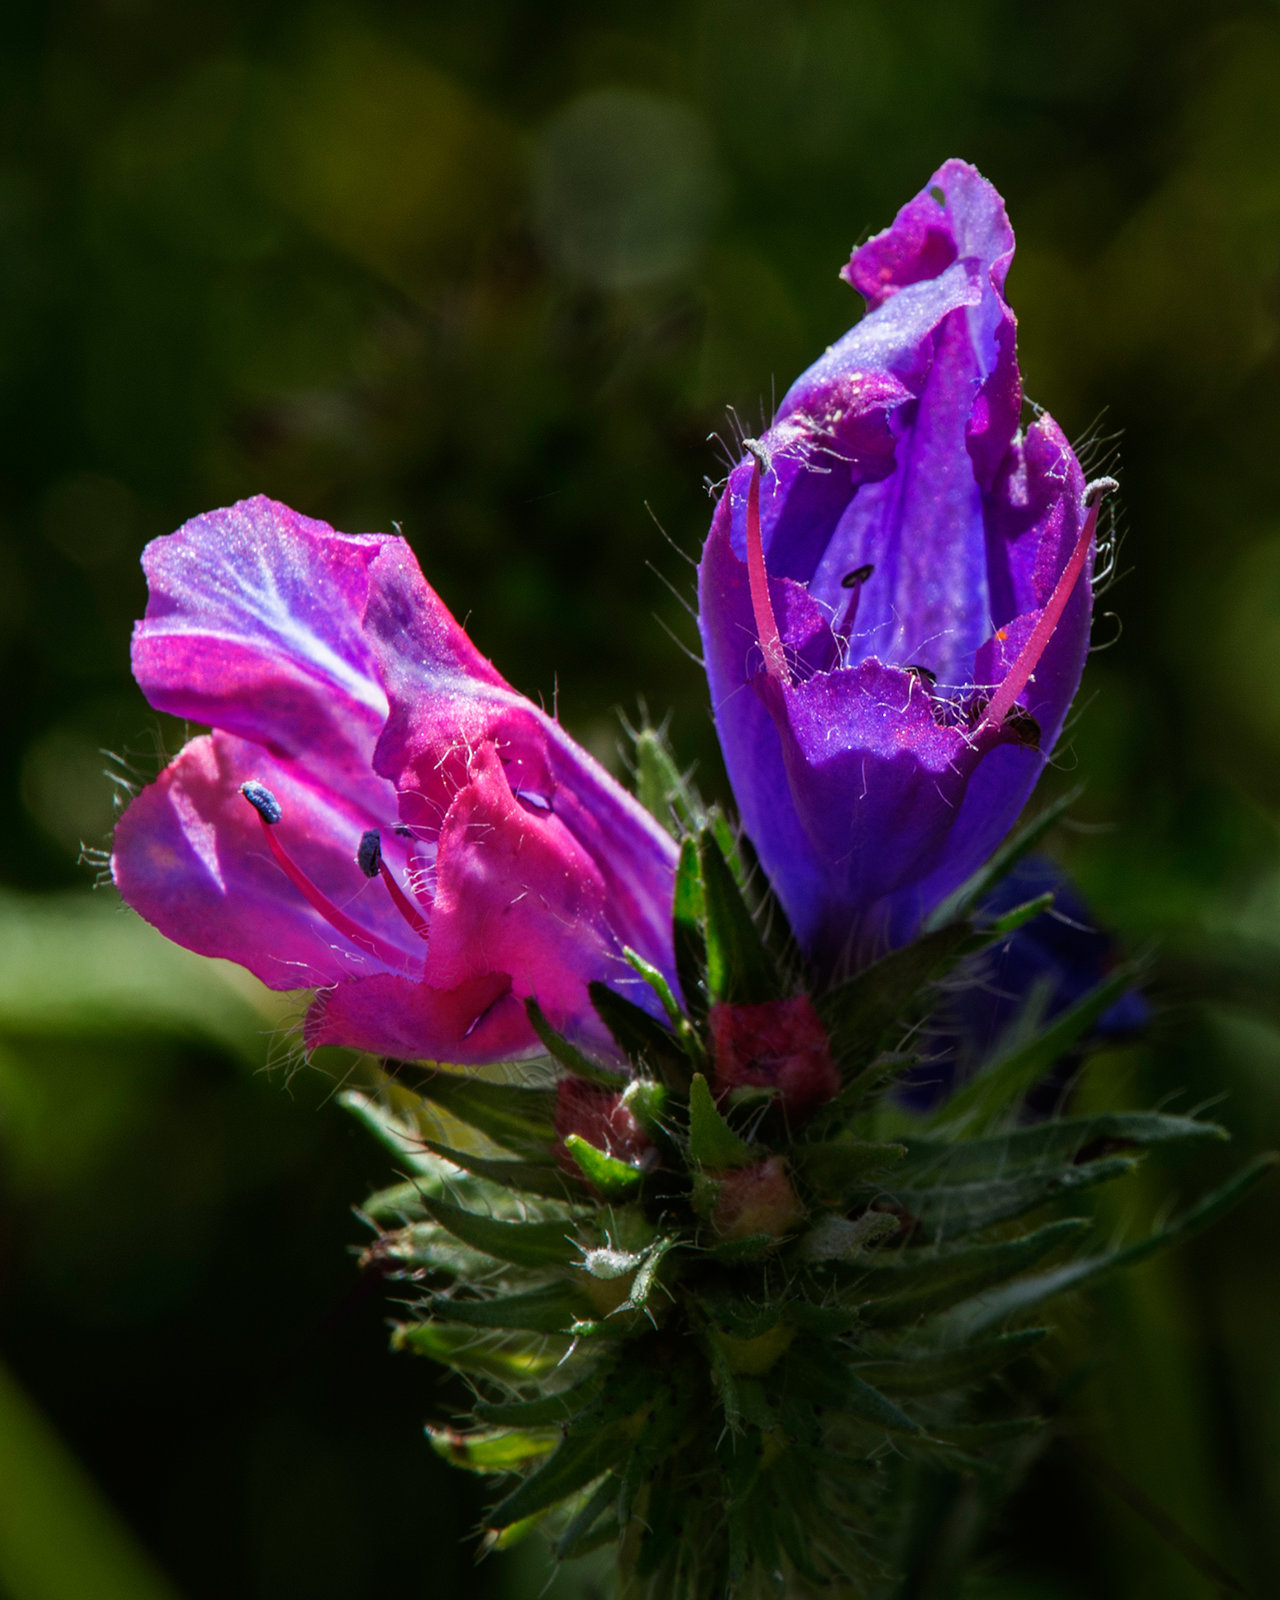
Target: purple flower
column 895, row 593
column 377, row 813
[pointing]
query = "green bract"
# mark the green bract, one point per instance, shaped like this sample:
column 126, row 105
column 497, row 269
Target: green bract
column 737, row 1349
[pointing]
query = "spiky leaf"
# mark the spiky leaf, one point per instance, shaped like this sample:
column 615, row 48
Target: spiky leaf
column 541, row 1178
column 859, row 1012
column 1045, row 1143
column 944, row 1211
column 935, row 1371
column 712, row 1142
column 613, row 1178
column 518, row 1118
column 739, row 967
column 975, row 889
column 1002, row 1085
column 1015, row 1298
column 567, row 1054
column 523, row 1244
column 641, row 1037
column 689, row 913
column 553, row 1308
column 923, row 1282
column 492, row 1450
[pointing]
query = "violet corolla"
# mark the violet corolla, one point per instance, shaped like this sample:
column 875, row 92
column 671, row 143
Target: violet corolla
column 377, row 814
column 895, row 594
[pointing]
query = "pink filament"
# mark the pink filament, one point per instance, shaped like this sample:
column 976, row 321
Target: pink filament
column 403, row 904
column 775, row 659
column 1029, row 656
column 321, row 902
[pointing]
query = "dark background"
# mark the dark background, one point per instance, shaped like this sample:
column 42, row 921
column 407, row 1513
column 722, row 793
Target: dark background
column 493, row 271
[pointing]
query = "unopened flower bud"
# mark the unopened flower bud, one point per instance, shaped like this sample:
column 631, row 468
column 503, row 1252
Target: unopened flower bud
column 601, row 1117
column 780, row 1044
column 757, row 1200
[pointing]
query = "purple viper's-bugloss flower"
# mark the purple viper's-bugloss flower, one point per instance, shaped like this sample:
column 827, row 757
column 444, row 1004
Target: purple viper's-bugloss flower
column 377, row 814
column 895, row 595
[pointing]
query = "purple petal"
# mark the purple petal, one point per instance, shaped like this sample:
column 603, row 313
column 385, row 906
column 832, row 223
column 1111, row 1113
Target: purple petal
column 190, row 857
column 254, row 626
column 897, row 456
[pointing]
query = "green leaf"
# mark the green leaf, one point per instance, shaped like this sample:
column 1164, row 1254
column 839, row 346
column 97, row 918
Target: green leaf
column 640, row 1037
column 580, row 1458
column 523, row 1177
column 1014, row 1298
column 949, row 1211
column 510, row 1360
column 524, row 1244
column 712, row 1142
column 551, row 1309
column 614, row 1179
column 492, row 1450
column 568, row 1055
column 646, row 1277
column 517, row 1118
column 595, row 1516
column 661, row 788
column 424, row 1245
column 821, row 1374
column 975, row 889
column 837, row 1168
column 596, row 1440
column 402, row 1202
column 689, row 913
column 858, row 1012
column 680, row 1023
column 647, row 1103
column 1002, row 1085
column 936, row 1371
column 739, row 967
column 956, row 1160
column 549, row 1410
column 925, row 1282
column 1018, row 917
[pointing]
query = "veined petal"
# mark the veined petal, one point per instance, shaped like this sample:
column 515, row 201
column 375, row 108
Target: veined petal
column 438, row 720
column 520, row 909
column 190, row 857
column 905, row 524
column 255, row 625
column 339, row 681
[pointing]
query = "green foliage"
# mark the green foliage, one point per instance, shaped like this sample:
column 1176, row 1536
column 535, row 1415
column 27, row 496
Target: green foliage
column 700, row 1344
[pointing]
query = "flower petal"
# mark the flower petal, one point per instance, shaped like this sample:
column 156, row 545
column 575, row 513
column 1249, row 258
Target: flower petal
column 190, row 857
column 438, row 719
column 899, row 496
column 254, row 625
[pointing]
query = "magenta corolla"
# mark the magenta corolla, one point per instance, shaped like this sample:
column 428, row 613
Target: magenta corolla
column 377, row 814
column 895, row 594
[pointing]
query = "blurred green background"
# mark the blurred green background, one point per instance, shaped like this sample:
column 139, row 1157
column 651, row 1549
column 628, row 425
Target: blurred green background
column 493, row 272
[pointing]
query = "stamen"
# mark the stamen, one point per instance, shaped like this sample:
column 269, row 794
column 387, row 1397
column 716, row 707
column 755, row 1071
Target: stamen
column 369, row 860
column 269, row 814
column 1019, row 673
column 853, row 581
column 262, row 800
column 775, row 659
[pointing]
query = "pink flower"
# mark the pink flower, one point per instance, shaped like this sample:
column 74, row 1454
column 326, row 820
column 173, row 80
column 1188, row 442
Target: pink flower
column 377, row 814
